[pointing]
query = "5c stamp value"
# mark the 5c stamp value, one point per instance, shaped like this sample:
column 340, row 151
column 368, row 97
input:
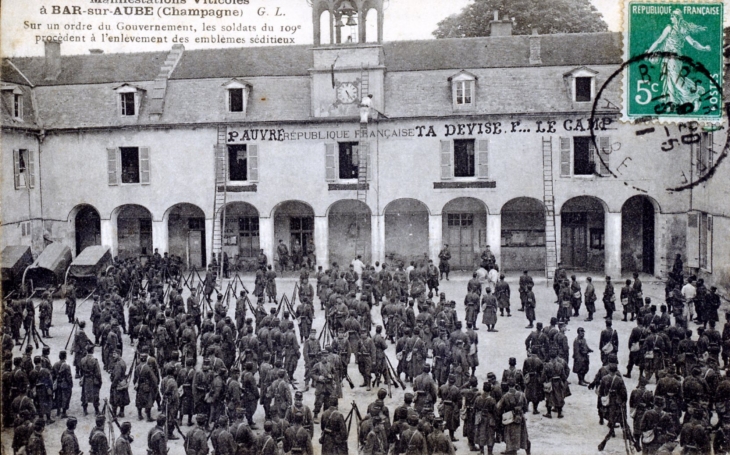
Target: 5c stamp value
column 673, row 53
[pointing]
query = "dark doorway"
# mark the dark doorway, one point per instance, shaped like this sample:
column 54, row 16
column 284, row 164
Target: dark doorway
column 637, row 235
column 87, row 225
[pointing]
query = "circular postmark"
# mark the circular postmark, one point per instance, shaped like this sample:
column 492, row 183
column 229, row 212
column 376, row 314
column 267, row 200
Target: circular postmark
column 682, row 131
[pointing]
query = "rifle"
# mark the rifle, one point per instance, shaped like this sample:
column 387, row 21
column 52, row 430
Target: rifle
column 87, row 298
column 73, row 329
column 349, row 381
column 393, row 373
column 177, row 427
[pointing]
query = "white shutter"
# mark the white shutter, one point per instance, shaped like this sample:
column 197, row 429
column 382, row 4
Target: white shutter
column 144, row 165
column 330, row 162
column 693, row 239
column 446, row 160
column 16, row 168
column 565, row 166
column 483, row 158
column 30, row 169
column 604, row 152
column 253, row 162
column 708, row 259
column 111, row 158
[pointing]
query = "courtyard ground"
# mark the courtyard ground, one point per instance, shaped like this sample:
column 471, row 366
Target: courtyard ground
column 578, row 433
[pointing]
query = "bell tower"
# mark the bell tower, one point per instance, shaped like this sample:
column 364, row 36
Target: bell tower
column 348, row 58
column 343, row 15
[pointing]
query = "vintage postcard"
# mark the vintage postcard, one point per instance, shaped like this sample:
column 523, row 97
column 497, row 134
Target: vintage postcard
column 373, row 227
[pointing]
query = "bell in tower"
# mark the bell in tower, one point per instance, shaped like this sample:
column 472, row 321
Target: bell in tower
column 347, row 21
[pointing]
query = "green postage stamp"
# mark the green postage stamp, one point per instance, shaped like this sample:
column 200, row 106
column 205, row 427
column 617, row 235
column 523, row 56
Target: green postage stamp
column 673, row 60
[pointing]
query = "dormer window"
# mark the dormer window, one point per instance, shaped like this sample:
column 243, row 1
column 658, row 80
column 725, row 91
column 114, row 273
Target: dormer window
column 18, row 106
column 582, row 84
column 12, row 97
column 128, row 98
column 462, row 90
column 237, row 92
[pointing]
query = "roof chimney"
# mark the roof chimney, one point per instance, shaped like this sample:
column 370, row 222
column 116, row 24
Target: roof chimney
column 500, row 27
column 52, row 64
column 535, row 48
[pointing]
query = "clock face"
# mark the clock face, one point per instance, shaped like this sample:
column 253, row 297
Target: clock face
column 347, row 93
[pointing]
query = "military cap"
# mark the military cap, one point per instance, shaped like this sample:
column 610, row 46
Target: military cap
column 126, row 427
column 37, row 359
column 46, row 349
column 201, row 418
column 29, row 348
column 82, row 324
column 39, row 424
column 161, row 419
column 313, row 331
column 298, row 394
column 408, row 396
column 90, row 348
column 491, row 375
column 100, row 420
column 581, row 330
column 71, row 422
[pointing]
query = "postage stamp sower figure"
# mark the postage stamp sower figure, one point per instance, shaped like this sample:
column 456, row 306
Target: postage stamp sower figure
column 674, row 50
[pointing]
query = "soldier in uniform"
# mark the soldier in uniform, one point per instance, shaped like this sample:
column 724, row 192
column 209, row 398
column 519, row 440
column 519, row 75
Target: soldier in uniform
column 69, row 441
column 333, row 430
column 122, row 446
column 581, row 356
column 489, row 310
column 532, row 371
column 98, row 442
column 525, row 282
column 502, row 292
column 146, row 385
column 444, row 258
column 425, row 389
column 365, row 355
column 36, row 445
column 63, row 384
column 119, row 391
column 324, row 376
column 196, row 442
column 80, row 346
column 299, row 408
column 555, row 387
column 613, row 397
column 608, row 342
column 590, row 298
column 157, row 438
column 450, row 406
column 90, row 381
column 270, row 283
column 512, row 408
column 41, row 377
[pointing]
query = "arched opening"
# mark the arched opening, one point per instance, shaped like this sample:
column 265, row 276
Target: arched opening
column 637, row 235
column 523, row 235
column 464, row 228
column 294, row 227
column 371, row 26
column 406, row 231
column 349, row 231
column 324, row 28
column 186, row 234
column 582, row 234
column 87, row 226
column 134, row 231
column 241, row 241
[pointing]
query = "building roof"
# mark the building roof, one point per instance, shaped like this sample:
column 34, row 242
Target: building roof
column 94, row 68
column 434, row 54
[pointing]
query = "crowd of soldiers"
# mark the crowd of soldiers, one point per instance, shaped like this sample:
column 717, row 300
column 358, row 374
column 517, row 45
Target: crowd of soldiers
column 200, row 366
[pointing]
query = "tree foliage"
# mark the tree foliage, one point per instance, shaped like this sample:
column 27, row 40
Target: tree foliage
column 548, row 16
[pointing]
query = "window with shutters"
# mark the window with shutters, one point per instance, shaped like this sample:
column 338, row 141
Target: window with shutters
column 580, row 157
column 128, row 165
column 23, row 169
column 583, row 160
column 704, row 150
column 705, row 241
column 237, row 163
column 127, row 100
column 25, row 228
column 464, row 160
column 349, row 160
